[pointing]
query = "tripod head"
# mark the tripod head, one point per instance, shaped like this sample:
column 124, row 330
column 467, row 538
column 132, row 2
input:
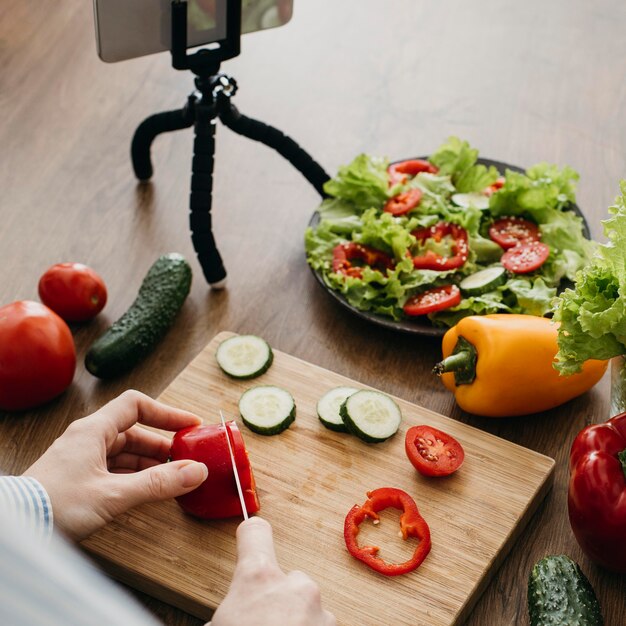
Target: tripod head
column 206, row 61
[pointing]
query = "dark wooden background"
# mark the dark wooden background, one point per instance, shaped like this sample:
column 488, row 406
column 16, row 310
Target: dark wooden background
column 522, row 81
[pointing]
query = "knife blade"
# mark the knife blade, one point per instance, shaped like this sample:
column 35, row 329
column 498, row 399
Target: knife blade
column 232, row 460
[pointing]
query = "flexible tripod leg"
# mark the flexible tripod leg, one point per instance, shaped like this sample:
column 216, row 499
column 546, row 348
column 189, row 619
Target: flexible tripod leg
column 201, row 197
column 146, row 133
column 276, row 139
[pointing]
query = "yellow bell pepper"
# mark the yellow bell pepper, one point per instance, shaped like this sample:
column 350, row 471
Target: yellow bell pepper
column 502, row 365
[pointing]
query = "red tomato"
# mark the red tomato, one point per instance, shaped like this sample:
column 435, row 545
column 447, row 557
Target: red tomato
column 526, row 257
column 73, row 291
column 399, row 172
column 433, row 300
column 403, row 202
column 509, row 232
column 433, row 452
column 37, row 355
column 217, row 496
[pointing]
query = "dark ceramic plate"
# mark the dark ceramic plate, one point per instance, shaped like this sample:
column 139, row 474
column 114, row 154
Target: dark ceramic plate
column 420, row 325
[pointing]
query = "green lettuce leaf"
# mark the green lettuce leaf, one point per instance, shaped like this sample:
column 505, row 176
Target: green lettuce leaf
column 592, row 316
column 457, row 159
column 364, row 182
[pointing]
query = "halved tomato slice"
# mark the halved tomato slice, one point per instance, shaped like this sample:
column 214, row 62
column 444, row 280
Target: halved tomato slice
column 509, row 232
column 433, row 452
column 433, row 300
column 526, row 257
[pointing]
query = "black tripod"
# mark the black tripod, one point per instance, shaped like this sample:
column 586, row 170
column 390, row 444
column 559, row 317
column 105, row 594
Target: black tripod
column 212, row 100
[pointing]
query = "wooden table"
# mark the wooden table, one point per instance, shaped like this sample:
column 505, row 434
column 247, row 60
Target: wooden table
column 523, row 82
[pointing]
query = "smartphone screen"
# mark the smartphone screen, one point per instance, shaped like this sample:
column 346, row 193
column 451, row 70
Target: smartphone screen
column 126, row 29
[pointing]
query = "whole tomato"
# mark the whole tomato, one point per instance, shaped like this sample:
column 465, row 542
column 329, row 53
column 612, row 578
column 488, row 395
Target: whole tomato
column 37, row 355
column 217, row 496
column 73, row 291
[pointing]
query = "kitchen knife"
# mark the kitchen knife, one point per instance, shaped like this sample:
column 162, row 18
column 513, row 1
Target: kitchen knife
column 232, row 459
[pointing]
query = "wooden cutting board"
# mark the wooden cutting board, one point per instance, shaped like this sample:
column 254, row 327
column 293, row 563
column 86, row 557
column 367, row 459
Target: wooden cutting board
column 308, row 478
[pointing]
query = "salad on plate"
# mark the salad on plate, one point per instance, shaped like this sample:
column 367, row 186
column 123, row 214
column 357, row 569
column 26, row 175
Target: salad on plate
column 447, row 236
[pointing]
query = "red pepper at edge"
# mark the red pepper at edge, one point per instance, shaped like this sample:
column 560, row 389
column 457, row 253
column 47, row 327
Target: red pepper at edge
column 597, row 492
column 412, row 524
column 431, row 260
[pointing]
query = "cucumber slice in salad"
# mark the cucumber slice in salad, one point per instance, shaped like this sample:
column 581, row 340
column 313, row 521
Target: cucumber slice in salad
column 370, row 415
column 328, row 407
column 244, row 356
column 267, row 410
column 475, row 199
column 483, row 281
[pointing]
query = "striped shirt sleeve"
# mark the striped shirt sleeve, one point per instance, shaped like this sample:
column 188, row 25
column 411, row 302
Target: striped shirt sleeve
column 27, row 502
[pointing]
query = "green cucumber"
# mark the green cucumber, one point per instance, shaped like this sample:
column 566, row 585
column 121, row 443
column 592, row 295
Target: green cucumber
column 244, row 356
column 328, row 407
column 559, row 594
column 132, row 337
column 267, row 410
column 484, row 281
column 371, row 415
column 473, row 199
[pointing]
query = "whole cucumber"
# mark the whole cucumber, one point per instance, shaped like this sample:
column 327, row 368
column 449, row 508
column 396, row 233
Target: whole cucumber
column 559, row 594
column 161, row 296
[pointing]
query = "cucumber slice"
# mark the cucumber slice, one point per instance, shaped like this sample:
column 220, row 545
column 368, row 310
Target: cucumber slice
column 328, row 407
column 475, row 199
column 267, row 410
column 244, row 356
column 483, row 281
column 370, row 415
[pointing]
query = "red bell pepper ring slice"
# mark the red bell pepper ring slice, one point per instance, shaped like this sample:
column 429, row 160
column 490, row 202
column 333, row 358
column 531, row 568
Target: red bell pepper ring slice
column 345, row 253
column 431, row 260
column 403, row 202
column 412, row 524
column 597, row 492
column 399, row 172
column 495, row 186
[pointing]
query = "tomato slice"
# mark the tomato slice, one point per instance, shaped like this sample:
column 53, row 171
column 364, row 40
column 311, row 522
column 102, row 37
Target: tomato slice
column 526, row 257
column 509, row 232
column 433, row 452
column 433, row 300
column 403, row 202
column 399, row 172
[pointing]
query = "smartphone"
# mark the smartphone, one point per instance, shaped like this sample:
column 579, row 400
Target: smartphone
column 126, row 29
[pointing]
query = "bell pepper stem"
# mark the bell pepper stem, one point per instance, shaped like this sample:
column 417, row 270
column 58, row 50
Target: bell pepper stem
column 462, row 362
column 622, row 458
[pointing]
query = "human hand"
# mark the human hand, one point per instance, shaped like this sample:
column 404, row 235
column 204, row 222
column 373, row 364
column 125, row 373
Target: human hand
column 105, row 463
column 261, row 594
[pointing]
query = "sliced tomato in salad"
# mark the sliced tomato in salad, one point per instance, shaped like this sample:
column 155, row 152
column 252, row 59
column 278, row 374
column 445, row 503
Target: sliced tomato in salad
column 403, row 202
column 433, row 300
column 399, row 172
column 526, row 257
column 433, row 452
column 509, row 232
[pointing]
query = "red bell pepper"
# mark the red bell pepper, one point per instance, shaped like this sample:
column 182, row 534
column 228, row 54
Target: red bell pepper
column 597, row 492
column 345, row 253
column 217, row 496
column 412, row 524
column 431, row 260
column 400, row 172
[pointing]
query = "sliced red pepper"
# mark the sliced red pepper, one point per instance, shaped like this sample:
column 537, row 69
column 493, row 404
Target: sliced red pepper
column 431, row 260
column 597, row 492
column 495, row 186
column 345, row 253
column 403, row 202
column 433, row 300
column 399, row 172
column 412, row 524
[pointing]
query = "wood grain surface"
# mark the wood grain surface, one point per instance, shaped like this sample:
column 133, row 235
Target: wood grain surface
column 522, row 81
column 308, row 478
